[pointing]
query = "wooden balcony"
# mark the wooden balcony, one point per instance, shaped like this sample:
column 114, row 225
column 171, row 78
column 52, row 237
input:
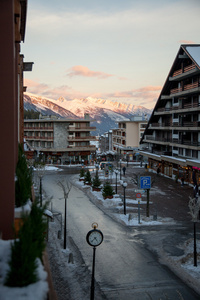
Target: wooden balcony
column 186, row 87
column 184, row 70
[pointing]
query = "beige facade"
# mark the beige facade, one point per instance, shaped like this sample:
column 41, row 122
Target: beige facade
column 128, row 134
column 60, row 139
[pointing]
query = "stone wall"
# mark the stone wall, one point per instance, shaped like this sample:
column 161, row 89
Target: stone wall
column 60, row 135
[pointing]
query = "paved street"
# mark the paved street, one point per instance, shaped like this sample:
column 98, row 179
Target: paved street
column 125, row 268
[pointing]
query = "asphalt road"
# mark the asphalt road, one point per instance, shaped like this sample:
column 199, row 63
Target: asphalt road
column 125, row 268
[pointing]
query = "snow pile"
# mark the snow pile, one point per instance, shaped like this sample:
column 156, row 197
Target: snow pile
column 33, row 291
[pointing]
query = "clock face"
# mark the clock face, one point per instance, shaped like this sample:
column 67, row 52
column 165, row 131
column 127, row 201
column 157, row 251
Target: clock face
column 94, row 237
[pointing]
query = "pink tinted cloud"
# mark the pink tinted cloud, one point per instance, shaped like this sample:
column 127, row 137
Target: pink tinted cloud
column 145, row 96
column 86, row 72
column 186, row 42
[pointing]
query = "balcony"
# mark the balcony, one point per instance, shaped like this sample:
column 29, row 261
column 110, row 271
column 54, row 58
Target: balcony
column 38, row 138
column 179, row 108
column 183, row 90
column 81, row 138
column 78, row 129
column 31, row 128
column 184, row 70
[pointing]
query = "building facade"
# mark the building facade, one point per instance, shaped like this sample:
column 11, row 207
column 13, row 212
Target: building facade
column 12, row 24
column 60, row 140
column 172, row 135
column 126, row 138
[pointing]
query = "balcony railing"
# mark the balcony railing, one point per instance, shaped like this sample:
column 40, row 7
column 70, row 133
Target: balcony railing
column 176, row 124
column 185, row 69
column 185, row 88
column 31, row 128
column 28, row 137
column 75, row 138
column 73, row 128
column 178, row 107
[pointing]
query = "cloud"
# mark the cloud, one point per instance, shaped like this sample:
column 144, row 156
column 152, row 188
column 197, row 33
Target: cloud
column 186, row 42
column 86, row 72
column 144, row 96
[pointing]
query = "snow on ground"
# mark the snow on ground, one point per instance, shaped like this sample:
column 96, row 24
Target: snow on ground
column 185, row 262
column 33, row 291
column 39, row 289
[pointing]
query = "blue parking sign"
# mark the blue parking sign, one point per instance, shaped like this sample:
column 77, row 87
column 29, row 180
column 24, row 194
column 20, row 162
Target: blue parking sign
column 145, row 182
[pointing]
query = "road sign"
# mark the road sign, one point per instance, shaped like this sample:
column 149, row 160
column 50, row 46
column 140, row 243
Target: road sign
column 145, row 182
column 138, row 195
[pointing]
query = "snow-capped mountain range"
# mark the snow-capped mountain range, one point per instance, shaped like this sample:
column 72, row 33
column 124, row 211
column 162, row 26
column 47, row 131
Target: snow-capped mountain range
column 106, row 113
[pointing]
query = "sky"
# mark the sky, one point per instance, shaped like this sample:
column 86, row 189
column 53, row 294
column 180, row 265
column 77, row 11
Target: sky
column 120, row 50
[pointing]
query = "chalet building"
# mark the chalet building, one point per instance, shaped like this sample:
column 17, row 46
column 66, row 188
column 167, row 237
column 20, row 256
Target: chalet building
column 126, row 138
column 172, row 136
column 60, row 140
column 12, row 65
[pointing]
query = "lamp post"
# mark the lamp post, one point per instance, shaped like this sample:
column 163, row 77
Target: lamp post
column 194, row 206
column 97, row 168
column 116, row 173
column 66, row 194
column 120, row 164
column 124, row 185
column 40, row 171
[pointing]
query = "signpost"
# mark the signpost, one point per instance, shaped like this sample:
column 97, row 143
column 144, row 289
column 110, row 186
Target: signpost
column 145, row 182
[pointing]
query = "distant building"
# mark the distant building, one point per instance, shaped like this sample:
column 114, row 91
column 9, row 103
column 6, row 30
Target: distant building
column 126, row 138
column 61, row 140
column 172, row 136
column 105, row 145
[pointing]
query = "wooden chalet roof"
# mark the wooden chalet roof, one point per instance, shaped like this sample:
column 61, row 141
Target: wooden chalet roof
column 192, row 52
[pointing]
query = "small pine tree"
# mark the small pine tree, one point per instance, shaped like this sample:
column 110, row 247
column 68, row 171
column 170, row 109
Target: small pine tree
column 96, row 182
column 23, row 181
column 107, row 190
column 82, row 173
column 87, row 177
column 26, row 249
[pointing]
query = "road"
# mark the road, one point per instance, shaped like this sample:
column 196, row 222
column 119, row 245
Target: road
column 125, row 268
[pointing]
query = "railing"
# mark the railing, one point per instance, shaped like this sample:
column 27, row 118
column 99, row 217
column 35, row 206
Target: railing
column 91, row 138
column 38, row 138
column 185, row 106
column 73, row 128
column 37, row 128
column 185, row 69
column 185, row 88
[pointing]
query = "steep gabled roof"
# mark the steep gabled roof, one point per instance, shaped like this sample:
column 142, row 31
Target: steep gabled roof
column 193, row 52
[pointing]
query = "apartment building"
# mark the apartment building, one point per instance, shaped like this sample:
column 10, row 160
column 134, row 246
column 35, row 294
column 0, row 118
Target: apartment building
column 13, row 24
column 61, row 140
column 172, row 135
column 126, row 138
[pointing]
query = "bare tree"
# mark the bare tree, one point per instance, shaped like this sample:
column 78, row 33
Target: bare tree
column 66, row 189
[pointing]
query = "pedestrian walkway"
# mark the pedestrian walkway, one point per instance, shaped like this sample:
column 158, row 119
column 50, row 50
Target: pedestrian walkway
column 168, row 198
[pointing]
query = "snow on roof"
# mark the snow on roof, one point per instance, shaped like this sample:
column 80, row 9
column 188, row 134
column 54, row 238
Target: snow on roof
column 194, row 51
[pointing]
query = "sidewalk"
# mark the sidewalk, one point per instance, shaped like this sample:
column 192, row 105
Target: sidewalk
column 169, row 199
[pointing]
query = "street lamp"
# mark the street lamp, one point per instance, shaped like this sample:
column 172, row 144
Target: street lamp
column 116, row 173
column 120, row 164
column 194, row 206
column 97, row 168
column 40, row 171
column 124, row 185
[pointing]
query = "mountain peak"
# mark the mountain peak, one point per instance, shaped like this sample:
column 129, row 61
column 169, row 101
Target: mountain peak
column 106, row 113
